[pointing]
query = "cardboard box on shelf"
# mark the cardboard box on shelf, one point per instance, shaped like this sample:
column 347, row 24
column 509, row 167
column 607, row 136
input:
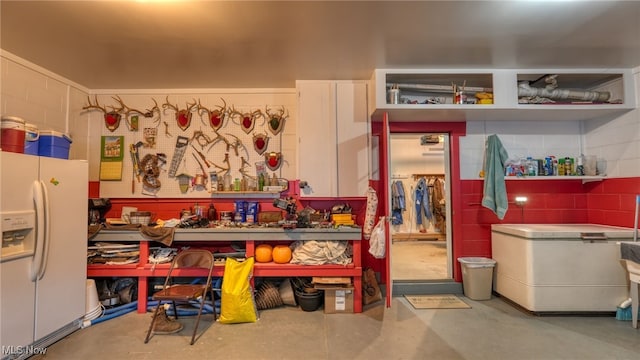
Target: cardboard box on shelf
column 337, row 299
column 269, row 216
column 331, row 280
column 342, row 219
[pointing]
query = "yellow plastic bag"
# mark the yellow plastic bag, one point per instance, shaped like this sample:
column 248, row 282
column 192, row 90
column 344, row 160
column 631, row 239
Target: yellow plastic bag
column 237, row 302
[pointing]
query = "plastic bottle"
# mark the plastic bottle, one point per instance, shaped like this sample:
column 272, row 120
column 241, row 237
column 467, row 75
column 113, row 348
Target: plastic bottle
column 568, row 166
column 261, row 182
column 531, row 168
column 580, row 166
column 227, row 182
column 196, row 210
column 561, row 167
column 211, row 213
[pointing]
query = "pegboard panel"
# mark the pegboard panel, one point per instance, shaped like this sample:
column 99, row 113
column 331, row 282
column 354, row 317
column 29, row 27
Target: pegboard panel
column 184, row 155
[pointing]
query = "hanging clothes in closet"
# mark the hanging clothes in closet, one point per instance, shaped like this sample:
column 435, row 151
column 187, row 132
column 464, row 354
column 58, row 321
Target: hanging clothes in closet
column 422, row 203
column 438, row 203
column 398, row 202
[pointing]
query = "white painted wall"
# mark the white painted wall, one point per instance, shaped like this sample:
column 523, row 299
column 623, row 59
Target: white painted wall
column 44, row 99
column 54, row 103
column 616, row 143
column 244, row 100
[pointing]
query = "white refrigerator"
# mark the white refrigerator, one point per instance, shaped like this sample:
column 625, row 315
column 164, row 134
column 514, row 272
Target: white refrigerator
column 43, row 204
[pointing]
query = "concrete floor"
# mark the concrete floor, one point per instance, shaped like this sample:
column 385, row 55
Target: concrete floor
column 491, row 329
column 419, row 260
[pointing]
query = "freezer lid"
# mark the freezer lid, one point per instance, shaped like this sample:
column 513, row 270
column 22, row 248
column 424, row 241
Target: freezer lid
column 562, row 231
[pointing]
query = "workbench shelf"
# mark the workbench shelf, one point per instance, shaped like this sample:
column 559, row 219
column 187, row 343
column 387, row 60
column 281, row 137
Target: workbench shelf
column 246, row 194
column 251, row 237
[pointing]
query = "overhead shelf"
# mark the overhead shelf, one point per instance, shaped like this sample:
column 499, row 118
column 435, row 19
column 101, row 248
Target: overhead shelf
column 434, row 94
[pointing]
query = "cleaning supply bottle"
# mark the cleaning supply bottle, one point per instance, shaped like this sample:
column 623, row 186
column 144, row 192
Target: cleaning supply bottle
column 531, row 168
column 211, row 213
column 579, row 165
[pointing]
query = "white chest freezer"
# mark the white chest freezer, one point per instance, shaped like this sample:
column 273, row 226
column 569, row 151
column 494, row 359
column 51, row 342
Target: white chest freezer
column 560, row 267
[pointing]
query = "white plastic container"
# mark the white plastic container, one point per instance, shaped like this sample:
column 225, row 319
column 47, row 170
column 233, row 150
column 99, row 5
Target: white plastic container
column 477, row 277
column 560, row 267
column 12, row 138
column 31, row 139
column 54, row 144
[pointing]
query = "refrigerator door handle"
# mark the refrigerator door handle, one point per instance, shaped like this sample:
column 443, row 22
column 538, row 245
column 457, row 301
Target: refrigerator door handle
column 43, row 223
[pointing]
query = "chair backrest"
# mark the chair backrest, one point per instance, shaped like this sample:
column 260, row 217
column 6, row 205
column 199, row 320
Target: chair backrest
column 191, row 258
column 194, row 258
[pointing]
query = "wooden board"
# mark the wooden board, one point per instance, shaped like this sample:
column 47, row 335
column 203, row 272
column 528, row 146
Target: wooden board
column 418, row 236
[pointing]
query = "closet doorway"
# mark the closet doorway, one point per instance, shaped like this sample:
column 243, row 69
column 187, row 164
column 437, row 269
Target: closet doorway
column 420, row 222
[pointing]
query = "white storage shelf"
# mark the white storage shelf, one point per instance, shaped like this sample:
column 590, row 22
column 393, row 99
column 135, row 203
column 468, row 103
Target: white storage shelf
column 428, row 86
column 585, row 178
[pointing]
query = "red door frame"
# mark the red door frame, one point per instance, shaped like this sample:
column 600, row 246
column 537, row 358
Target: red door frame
column 455, row 131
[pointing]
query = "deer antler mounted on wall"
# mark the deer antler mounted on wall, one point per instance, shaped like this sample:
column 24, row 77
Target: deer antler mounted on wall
column 183, row 116
column 276, row 120
column 216, row 116
column 127, row 111
column 111, row 118
column 247, row 119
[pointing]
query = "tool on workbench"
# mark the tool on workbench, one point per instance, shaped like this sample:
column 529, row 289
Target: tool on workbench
column 135, row 161
column 178, row 154
column 134, row 166
column 204, row 158
column 200, row 180
column 199, row 163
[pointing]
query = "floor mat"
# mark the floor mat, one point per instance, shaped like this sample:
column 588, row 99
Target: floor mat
column 442, row 301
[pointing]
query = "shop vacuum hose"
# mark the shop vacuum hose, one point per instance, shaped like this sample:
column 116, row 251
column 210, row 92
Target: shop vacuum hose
column 112, row 313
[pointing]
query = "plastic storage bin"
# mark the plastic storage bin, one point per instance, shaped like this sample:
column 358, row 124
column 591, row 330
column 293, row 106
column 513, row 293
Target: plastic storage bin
column 12, row 137
column 54, row 144
column 31, row 139
column 477, row 277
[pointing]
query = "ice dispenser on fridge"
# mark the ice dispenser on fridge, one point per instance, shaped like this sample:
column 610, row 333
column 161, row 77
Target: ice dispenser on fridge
column 18, row 234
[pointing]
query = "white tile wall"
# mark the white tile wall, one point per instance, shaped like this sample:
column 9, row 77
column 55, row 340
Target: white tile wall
column 520, row 139
column 616, row 143
column 54, row 103
column 43, row 99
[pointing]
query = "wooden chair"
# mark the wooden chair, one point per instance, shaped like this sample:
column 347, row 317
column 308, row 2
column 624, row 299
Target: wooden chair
column 190, row 260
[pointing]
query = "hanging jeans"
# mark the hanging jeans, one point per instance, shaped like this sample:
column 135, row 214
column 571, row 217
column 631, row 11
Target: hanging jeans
column 422, row 201
column 397, row 202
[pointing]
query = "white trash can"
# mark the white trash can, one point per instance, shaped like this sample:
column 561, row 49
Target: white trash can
column 477, row 277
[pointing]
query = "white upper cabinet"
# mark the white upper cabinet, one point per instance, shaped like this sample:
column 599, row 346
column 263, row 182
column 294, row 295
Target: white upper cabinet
column 495, row 94
column 333, row 127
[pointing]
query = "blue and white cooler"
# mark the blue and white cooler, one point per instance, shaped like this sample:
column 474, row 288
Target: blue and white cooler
column 54, row 144
column 31, row 139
